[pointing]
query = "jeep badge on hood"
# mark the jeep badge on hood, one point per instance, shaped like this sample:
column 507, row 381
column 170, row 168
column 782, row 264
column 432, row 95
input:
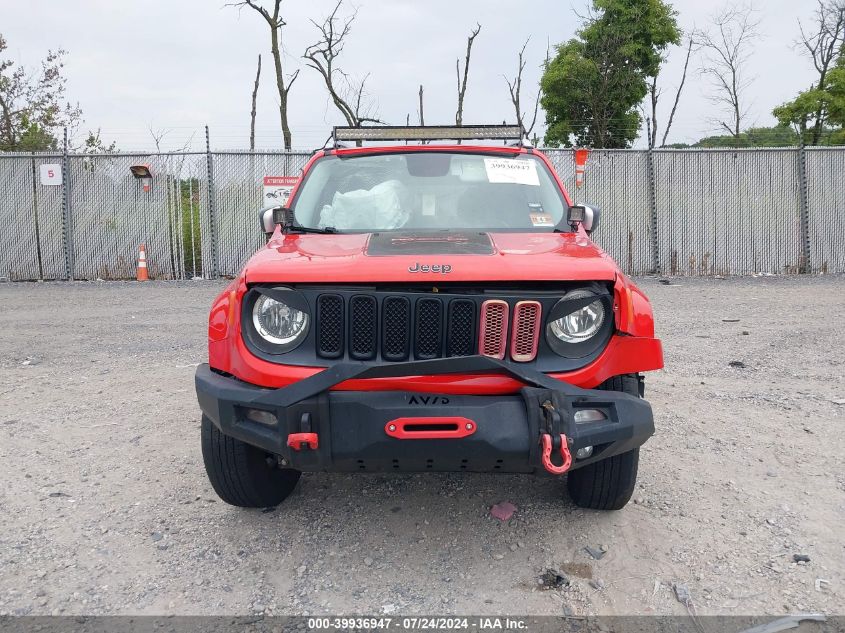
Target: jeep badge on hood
column 434, row 268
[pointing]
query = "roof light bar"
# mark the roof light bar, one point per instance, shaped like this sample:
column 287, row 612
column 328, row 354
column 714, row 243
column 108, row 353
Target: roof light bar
column 428, row 133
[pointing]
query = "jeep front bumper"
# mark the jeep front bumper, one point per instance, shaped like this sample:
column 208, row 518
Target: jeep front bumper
column 312, row 428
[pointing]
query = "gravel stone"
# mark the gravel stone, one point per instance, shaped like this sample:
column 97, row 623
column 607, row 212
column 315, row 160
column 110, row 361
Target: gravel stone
column 109, row 419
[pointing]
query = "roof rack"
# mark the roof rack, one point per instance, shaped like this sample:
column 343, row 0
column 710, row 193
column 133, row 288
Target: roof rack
column 429, row 133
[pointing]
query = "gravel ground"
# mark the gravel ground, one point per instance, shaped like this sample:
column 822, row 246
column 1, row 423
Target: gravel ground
column 105, row 507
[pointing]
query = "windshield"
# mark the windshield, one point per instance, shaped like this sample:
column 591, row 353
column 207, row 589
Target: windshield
column 429, row 190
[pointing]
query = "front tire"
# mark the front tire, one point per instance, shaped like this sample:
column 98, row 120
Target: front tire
column 241, row 474
column 608, row 484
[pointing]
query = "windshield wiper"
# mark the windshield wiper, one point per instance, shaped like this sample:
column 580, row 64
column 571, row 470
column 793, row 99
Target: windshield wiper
column 308, row 229
column 563, row 227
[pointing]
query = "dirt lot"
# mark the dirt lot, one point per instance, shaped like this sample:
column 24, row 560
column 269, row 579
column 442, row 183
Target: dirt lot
column 105, row 506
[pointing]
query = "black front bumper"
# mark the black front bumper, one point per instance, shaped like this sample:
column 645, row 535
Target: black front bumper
column 352, row 426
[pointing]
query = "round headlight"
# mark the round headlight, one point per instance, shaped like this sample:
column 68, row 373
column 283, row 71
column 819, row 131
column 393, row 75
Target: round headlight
column 278, row 323
column 580, row 325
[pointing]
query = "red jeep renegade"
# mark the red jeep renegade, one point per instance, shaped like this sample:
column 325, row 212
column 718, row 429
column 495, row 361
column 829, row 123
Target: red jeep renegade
column 429, row 307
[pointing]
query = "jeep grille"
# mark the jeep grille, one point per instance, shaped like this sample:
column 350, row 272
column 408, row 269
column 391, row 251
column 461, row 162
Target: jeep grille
column 396, row 328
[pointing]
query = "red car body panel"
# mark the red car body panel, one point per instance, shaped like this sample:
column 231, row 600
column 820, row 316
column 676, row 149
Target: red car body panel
column 342, row 258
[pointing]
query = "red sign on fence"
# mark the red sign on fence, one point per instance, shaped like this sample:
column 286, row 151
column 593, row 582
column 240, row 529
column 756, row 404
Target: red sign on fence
column 277, row 189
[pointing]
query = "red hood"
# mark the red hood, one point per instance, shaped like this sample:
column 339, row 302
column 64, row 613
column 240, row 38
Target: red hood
column 315, row 258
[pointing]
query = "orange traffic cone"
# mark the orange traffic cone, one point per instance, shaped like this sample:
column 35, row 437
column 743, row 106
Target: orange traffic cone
column 141, row 272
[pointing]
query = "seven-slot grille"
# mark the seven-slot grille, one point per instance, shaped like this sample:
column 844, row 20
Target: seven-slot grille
column 425, row 327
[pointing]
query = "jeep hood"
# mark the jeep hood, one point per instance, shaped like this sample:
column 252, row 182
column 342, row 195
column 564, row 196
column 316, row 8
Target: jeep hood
column 404, row 257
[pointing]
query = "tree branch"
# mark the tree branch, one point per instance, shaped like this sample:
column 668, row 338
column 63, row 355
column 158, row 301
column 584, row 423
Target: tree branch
column 275, row 22
column 671, row 118
column 253, row 112
column 462, row 82
column 322, row 55
column 736, row 29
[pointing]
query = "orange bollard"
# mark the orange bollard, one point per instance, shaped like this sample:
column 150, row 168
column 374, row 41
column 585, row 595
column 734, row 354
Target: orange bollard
column 141, row 273
column 580, row 165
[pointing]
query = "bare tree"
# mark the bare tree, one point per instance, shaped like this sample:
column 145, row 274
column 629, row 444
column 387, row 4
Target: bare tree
column 515, row 89
column 728, row 43
column 654, row 93
column 651, row 118
column 462, row 81
column 822, row 45
column 421, row 111
column 690, row 45
column 276, row 23
column 253, row 111
column 347, row 95
column 158, row 135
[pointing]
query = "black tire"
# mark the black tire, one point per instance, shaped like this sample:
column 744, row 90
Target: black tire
column 608, row 484
column 243, row 475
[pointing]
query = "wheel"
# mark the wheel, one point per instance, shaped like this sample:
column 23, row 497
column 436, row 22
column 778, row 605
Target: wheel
column 243, row 475
column 608, row 484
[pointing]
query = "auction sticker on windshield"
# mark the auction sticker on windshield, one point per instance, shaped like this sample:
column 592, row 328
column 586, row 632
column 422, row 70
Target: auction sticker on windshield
column 510, row 170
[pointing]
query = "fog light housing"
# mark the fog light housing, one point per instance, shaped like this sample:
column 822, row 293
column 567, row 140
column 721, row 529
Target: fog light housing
column 261, row 417
column 583, row 416
column 584, row 453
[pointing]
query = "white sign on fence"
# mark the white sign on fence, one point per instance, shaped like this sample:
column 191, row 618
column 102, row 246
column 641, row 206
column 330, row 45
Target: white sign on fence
column 277, row 189
column 51, row 174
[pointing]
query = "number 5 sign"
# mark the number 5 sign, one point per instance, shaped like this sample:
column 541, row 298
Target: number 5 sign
column 51, row 174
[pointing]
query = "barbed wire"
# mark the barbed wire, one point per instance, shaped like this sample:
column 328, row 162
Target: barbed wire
column 181, row 136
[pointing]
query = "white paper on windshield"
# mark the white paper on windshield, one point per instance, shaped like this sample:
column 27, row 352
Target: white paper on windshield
column 511, row 170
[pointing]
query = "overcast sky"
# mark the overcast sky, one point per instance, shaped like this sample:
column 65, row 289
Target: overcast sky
column 178, row 65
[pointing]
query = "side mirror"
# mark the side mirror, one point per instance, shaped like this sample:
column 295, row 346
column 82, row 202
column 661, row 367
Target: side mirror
column 270, row 216
column 265, row 218
column 586, row 215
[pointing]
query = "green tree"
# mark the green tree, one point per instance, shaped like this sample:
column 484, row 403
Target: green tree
column 592, row 87
column 96, row 145
column 818, row 114
column 32, row 107
column 822, row 43
column 778, row 136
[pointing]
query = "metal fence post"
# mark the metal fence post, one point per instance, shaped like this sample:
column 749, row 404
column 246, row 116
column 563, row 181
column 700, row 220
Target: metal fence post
column 35, row 218
column 212, row 229
column 803, row 210
column 652, row 202
column 67, row 224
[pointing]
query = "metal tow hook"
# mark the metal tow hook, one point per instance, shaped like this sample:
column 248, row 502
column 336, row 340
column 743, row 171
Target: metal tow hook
column 547, row 440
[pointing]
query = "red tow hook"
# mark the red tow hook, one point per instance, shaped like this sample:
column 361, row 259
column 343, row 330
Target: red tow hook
column 299, row 441
column 546, row 441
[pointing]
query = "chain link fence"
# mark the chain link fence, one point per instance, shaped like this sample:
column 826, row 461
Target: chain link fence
column 672, row 212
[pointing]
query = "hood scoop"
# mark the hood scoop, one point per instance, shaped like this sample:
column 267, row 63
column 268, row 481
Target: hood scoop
column 387, row 244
